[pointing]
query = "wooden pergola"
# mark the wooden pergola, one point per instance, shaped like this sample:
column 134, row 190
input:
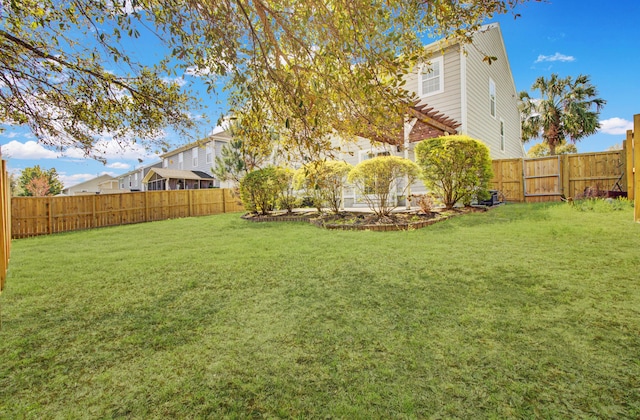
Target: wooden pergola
column 421, row 122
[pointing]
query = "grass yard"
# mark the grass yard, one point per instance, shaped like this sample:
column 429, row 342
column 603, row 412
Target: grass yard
column 523, row 311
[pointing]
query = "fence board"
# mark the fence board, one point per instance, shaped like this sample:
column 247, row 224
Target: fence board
column 34, row 216
column 508, row 178
column 546, row 179
column 5, row 223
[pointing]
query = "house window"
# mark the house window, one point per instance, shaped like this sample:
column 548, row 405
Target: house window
column 209, row 153
column 492, row 97
column 194, row 157
column 135, row 177
column 373, row 153
column 181, row 160
column 165, row 163
column 431, row 77
column 501, row 134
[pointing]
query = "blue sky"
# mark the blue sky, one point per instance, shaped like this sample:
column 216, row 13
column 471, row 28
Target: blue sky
column 568, row 37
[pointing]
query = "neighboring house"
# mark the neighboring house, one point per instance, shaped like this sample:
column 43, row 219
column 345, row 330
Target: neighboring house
column 459, row 93
column 110, row 186
column 132, row 180
column 92, row 186
column 188, row 167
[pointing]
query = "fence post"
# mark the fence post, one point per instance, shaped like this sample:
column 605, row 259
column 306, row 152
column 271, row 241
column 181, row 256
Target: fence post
column 628, row 169
column 190, row 202
column 94, row 221
column 49, row 216
column 146, row 206
column 224, row 200
column 636, row 166
column 565, row 173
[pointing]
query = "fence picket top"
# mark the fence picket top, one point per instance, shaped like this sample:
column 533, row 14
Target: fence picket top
column 35, row 216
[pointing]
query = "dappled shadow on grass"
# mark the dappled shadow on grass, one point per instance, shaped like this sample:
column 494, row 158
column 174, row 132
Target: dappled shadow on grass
column 215, row 317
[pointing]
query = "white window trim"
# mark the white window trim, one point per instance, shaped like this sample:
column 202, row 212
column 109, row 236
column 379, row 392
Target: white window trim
column 181, row 160
column 209, row 153
column 440, row 62
column 502, row 141
column 165, row 163
column 194, row 157
column 493, row 98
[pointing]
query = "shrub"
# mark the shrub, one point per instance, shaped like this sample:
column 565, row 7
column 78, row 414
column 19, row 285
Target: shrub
column 424, row 201
column 375, row 178
column 456, row 168
column 259, row 190
column 287, row 199
column 323, row 182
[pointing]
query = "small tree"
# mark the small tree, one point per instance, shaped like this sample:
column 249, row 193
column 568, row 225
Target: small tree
column 567, row 108
column 51, row 176
column 38, row 187
column 375, row 178
column 456, row 168
column 259, row 190
column 287, row 199
column 542, row 149
column 323, row 182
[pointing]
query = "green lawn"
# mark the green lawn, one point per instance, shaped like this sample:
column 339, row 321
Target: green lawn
column 523, row 311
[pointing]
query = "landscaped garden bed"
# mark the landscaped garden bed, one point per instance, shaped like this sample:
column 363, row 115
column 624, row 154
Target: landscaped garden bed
column 353, row 220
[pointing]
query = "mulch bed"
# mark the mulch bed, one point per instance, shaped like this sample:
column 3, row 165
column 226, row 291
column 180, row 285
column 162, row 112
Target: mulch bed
column 364, row 221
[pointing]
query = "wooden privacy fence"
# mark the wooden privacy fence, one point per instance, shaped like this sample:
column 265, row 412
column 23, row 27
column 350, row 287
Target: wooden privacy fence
column 549, row 178
column 5, row 222
column 632, row 149
column 32, row 216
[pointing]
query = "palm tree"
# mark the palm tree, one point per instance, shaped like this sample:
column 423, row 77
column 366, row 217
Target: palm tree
column 565, row 109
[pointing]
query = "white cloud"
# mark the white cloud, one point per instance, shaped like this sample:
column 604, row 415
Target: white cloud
column 70, row 180
column 615, row 126
column 118, row 165
column 107, row 148
column 196, row 72
column 174, row 81
column 29, row 150
column 556, row 57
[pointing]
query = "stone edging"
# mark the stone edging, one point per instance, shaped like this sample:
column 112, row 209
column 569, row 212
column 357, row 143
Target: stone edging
column 336, row 226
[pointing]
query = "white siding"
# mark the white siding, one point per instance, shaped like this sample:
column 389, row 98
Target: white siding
column 480, row 123
column 447, row 102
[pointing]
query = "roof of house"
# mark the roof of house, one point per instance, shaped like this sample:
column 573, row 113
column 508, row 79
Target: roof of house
column 178, row 174
column 145, row 167
column 92, row 181
column 221, row 136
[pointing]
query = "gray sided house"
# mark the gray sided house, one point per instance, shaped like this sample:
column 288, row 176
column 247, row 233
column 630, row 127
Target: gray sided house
column 132, row 180
column 458, row 93
column 189, row 166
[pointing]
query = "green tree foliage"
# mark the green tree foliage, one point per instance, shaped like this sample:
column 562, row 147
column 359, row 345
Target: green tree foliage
column 259, row 190
column 542, row 149
column 323, row 181
column 66, row 75
column 287, row 199
column 379, row 181
column 230, row 165
column 264, row 190
column 566, row 109
column 240, row 155
column 299, row 69
column 455, row 168
column 36, row 172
